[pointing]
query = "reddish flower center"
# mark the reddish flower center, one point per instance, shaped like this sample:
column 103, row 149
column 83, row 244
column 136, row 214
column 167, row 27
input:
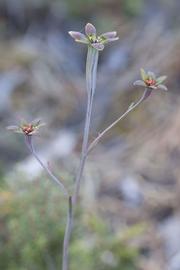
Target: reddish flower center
column 150, row 82
column 28, row 129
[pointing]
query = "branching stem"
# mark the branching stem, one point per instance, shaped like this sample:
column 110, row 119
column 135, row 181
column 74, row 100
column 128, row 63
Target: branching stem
column 131, row 108
column 30, row 145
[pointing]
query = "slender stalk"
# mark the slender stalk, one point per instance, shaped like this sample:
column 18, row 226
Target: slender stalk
column 91, row 71
column 131, row 108
column 69, row 224
column 29, row 143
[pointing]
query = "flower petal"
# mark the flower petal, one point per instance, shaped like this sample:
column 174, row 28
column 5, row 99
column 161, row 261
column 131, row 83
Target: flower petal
column 15, row 129
column 98, row 46
column 152, row 87
column 79, row 37
column 108, row 35
column 12, row 128
column 90, row 29
column 143, row 74
column 40, row 125
column 151, row 75
column 161, row 79
column 139, row 83
column 37, row 123
column 35, row 131
column 162, row 86
column 112, row 39
column 82, row 41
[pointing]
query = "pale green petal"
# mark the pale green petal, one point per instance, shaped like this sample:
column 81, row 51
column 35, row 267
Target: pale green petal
column 139, row 83
column 144, row 75
column 23, row 122
column 151, row 75
column 162, row 86
column 161, row 79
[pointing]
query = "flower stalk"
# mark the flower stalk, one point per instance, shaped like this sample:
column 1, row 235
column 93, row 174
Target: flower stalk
column 91, row 72
column 130, row 108
column 30, row 145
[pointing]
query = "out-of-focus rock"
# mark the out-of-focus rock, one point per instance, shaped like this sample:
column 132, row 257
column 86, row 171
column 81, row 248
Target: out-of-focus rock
column 131, row 191
column 170, row 231
column 9, row 81
column 174, row 263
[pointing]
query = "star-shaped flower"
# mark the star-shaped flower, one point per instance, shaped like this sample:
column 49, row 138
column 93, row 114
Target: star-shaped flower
column 91, row 37
column 27, row 128
column 149, row 80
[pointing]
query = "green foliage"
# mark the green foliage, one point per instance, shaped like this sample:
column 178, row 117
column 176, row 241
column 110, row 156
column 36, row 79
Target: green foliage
column 33, row 223
column 32, row 227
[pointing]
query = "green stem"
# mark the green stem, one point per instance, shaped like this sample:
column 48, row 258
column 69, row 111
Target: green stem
column 91, row 72
column 67, row 235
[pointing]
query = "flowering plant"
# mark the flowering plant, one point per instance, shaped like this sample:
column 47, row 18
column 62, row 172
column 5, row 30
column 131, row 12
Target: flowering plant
column 148, row 80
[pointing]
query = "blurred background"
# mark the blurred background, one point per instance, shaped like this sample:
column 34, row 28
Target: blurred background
column 130, row 201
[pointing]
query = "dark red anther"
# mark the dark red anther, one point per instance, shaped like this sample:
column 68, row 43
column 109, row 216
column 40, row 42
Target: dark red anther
column 28, row 129
column 150, row 82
